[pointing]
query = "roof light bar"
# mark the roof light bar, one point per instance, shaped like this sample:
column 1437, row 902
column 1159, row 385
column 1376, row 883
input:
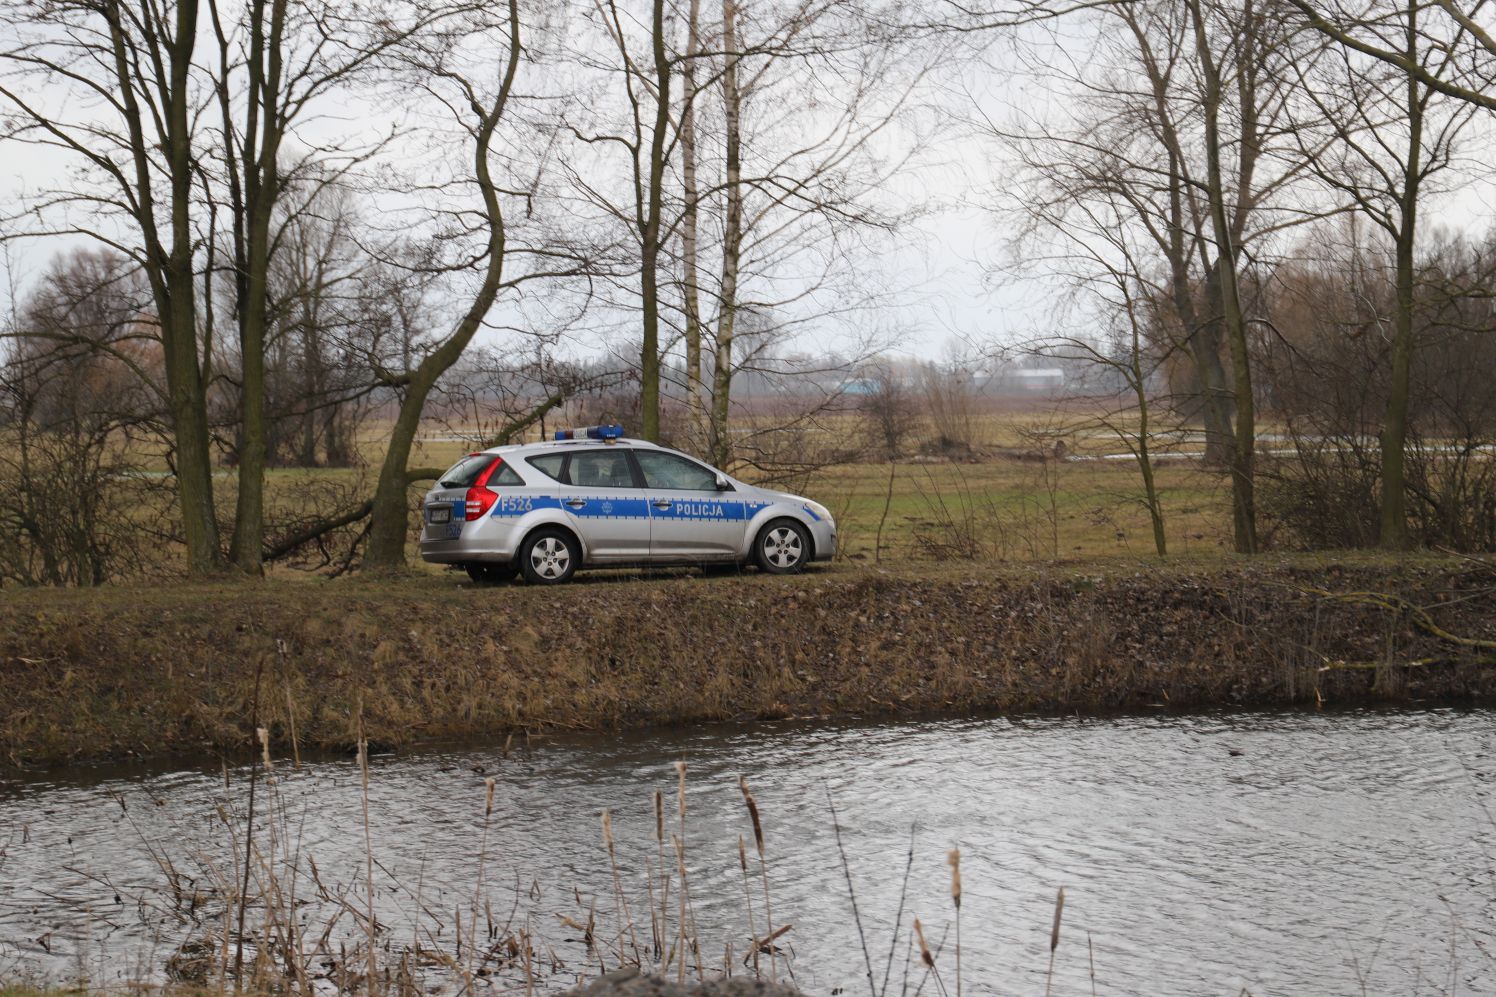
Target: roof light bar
column 607, row 433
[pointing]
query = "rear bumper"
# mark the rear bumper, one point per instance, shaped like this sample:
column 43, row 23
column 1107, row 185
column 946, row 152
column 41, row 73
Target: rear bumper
column 461, row 551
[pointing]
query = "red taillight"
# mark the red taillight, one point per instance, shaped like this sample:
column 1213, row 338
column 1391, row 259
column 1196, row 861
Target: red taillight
column 479, row 498
column 479, row 501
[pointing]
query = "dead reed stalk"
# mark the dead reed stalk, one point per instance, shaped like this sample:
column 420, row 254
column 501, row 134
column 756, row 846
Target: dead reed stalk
column 763, row 867
column 618, row 892
column 1054, row 938
column 748, row 902
column 851, row 892
column 954, row 860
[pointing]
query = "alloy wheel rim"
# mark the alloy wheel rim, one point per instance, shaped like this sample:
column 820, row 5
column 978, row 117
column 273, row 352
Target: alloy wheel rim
column 549, row 557
column 782, row 547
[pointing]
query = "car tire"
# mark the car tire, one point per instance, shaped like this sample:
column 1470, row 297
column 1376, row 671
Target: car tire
column 549, row 557
column 782, row 547
column 489, row 573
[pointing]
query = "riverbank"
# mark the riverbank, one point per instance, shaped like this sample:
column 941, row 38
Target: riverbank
column 124, row 673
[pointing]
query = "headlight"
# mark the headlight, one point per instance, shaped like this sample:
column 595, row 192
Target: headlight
column 820, row 511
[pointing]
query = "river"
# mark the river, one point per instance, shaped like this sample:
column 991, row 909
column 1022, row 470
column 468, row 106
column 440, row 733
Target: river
column 1272, row 853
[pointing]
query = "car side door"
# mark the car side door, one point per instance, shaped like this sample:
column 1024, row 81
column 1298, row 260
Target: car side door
column 603, row 500
column 690, row 517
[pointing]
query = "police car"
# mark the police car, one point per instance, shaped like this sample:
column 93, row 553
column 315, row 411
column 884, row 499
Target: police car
column 593, row 498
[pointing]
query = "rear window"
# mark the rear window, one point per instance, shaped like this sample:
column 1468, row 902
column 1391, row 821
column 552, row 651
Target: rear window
column 466, row 472
column 548, row 464
column 463, row 473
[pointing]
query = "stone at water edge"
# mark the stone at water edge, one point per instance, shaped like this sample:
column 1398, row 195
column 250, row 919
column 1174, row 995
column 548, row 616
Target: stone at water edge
column 632, row 983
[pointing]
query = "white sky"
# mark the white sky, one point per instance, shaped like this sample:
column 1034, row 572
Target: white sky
column 939, row 264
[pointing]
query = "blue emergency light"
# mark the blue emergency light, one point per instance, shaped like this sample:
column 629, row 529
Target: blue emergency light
column 608, row 433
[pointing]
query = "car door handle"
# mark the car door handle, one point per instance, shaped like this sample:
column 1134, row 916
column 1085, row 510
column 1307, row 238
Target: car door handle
column 576, row 503
column 662, row 503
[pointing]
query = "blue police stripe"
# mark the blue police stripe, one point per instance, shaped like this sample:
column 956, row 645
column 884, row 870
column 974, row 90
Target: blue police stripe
column 713, row 511
column 511, row 506
column 610, row 508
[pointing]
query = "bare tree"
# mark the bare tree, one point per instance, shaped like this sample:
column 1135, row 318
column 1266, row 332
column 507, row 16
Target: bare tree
column 111, row 86
column 1465, row 74
column 481, row 112
column 1393, row 136
column 1182, row 136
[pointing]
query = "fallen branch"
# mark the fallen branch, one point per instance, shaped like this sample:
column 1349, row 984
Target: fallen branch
column 317, row 530
column 1340, row 666
column 1394, row 604
column 322, row 527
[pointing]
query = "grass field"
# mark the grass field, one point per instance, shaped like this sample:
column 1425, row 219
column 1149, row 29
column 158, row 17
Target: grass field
column 1034, row 484
column 1010, row 498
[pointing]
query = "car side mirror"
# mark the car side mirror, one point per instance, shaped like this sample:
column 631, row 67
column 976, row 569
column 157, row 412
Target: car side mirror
column 723, row 485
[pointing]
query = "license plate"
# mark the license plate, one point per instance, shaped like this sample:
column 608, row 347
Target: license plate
column 441, row 514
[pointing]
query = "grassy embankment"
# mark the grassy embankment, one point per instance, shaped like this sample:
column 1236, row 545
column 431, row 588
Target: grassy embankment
column 173, row 669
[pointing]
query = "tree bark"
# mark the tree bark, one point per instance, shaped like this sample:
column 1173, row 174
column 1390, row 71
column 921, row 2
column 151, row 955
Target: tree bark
column 261, row 189
column 1243, row 506
column 649, row 358
column 692, row 291
column 732, row 241
column 1393, row 528
column 170, row 271
column 390, row 524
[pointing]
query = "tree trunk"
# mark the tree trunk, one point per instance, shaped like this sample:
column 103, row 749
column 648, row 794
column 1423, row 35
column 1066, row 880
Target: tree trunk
column 692, row 291
column 389, row 525
column 732, row 242
column 649, row 358
column 1145, row 457
column 261, row 189
column 1243, row 506
column 1393, row 532
column 184, row 381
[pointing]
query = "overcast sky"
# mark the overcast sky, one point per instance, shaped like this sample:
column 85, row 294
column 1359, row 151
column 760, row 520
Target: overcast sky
column 938, row 266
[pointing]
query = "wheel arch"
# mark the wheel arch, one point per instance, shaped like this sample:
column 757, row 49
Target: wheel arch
column 784, row 516
column 550, row 524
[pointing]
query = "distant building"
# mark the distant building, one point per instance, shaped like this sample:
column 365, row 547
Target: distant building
column 1034, row 380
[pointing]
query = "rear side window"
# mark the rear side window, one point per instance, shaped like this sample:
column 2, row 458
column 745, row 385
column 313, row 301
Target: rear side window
column 549, row 464
column 466, row 471
column 665, row 470
column 505, row 476
column 601, row 469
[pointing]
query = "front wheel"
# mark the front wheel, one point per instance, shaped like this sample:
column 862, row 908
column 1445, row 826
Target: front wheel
column 549, row 557
column 782, row 547
column 490, row 574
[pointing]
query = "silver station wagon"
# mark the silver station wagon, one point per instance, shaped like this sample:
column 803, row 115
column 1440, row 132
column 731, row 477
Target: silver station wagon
column 594, row 499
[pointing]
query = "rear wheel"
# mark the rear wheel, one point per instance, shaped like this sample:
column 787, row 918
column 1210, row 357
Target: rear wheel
column 782, row 547
column 549, row 557
column 490, row 574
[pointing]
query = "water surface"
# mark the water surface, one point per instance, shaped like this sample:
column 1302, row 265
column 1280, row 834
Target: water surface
column 1273, row 853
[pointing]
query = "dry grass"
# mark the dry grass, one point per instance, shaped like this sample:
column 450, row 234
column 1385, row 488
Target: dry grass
column 115, row 672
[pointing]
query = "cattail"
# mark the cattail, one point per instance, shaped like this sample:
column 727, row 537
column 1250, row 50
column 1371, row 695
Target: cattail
column 659, row 817
column 953, row 857
column 264, row 736
column 1054, row 938
column 743, row 854
column 490, row 782
column 608, row 830
column 924, row 950
column 758, row 827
